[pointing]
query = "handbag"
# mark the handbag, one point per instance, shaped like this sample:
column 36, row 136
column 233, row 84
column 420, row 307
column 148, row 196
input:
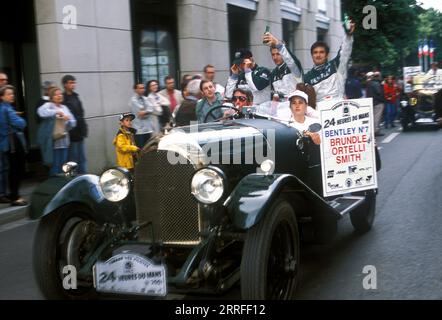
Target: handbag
column 59, row 129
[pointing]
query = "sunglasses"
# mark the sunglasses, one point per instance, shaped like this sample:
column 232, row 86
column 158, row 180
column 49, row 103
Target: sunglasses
column 240, row 98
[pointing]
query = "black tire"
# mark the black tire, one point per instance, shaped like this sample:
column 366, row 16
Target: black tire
column 270, row 262
column 405, row 126
column 52, row 246
column 362, row 218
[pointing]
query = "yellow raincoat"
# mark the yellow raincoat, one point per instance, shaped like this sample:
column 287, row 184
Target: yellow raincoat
column 125, row 148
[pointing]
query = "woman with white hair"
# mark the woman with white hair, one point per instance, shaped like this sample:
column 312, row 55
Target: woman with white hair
column 187, row 111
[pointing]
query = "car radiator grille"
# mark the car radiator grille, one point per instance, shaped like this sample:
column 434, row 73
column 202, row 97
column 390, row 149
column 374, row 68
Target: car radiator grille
column 162, row 196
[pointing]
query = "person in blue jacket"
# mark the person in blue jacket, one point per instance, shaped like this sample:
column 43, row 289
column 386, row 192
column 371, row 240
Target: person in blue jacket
column 12, row 146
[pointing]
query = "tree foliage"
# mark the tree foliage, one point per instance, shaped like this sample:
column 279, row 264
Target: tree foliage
column 392, row 41
column 430, row 27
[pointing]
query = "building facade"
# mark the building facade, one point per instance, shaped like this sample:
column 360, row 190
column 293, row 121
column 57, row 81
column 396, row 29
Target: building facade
column 110, row 44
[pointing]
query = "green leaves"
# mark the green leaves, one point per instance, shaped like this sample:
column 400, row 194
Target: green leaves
column 395, row 37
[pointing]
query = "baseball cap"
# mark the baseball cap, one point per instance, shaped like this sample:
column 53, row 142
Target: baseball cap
column 126, row 115
column 298, row 93
column 369, row 74
column 240, row 55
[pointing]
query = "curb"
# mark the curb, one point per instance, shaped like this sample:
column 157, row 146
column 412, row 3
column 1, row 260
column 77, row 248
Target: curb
column 11, row 214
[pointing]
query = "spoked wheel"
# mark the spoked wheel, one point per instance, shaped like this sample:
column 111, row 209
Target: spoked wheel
column 64, row 238
column 362, row 218
column 270, row 262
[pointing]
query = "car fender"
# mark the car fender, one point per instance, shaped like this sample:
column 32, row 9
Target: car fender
column 83, row 190
column 255, row 193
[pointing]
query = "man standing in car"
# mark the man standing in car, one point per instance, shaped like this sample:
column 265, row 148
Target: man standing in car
column 79, row 133
column 288, row 72
column 246, row 74
column 328, row 77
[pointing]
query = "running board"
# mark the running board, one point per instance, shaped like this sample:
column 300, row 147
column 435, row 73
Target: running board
column 345, row 204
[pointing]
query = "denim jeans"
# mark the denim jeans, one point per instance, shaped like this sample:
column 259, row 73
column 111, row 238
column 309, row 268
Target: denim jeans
column 76, row 154
column 60, row 158
column 4, row 168
column 390, row 113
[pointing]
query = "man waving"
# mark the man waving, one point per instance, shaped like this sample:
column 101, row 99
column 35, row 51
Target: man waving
column 328, row 76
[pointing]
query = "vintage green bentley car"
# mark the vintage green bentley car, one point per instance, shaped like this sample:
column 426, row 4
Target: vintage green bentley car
column 208, row 207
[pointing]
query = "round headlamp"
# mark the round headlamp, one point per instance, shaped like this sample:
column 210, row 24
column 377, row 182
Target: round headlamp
column 115, row 184
column 207, row 185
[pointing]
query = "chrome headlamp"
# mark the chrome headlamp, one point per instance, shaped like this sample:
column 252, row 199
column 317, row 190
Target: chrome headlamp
column 115, row 184
column 208, row 185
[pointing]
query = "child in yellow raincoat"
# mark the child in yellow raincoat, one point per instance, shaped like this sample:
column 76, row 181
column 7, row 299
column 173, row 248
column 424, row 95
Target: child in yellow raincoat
column 124, row 142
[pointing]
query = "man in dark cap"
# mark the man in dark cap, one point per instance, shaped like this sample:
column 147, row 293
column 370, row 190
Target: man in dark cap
column 246, row 74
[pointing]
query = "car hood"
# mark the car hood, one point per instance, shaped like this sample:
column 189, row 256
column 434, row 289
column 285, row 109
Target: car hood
column 201, row 144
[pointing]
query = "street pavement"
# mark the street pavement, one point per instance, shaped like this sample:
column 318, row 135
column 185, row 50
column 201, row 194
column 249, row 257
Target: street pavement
column 404, row 245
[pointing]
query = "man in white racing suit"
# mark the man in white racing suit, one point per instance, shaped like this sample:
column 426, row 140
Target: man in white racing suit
column 288, row 72
column 328, row 76
column 246, row 74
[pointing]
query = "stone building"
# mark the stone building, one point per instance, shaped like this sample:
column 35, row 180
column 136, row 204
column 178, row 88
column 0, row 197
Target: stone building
column 109, row 44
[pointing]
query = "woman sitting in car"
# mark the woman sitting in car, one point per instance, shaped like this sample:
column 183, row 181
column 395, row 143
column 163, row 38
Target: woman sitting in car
column 299, row 120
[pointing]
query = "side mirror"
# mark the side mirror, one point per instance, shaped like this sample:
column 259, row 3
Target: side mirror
column 315, row 127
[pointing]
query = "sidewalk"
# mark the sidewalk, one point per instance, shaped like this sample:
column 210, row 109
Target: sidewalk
column 10, row 213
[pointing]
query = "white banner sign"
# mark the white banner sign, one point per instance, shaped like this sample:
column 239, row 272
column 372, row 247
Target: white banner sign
column 348, row 156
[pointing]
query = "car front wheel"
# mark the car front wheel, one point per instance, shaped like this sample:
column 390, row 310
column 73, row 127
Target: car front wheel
column 270, row 262
column 63, row 240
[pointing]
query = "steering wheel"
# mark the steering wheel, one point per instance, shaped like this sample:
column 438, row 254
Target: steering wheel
column 219, row 107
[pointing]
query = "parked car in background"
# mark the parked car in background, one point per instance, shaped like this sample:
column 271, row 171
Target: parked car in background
column 421, row 108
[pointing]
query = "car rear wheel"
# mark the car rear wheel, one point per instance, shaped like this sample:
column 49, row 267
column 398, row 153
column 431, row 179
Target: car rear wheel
column 405, row 126
column 270, row 262
column 362, row 218
column 64, row 238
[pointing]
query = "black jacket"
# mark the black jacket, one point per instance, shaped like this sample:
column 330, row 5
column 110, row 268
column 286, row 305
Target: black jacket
column 376, row 91
column 74, row 104
column 186, row 113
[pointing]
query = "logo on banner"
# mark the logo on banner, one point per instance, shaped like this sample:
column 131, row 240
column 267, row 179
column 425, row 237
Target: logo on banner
column 347, row 151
